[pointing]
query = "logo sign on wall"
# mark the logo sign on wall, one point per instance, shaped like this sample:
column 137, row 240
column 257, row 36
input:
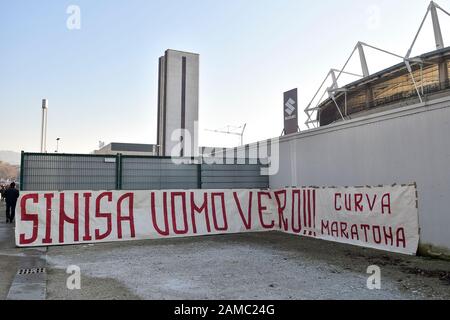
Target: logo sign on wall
column 290, row 112
column 384, row 217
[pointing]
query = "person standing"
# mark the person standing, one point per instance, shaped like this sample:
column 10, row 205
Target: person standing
column 2, row 192
column 11, row 195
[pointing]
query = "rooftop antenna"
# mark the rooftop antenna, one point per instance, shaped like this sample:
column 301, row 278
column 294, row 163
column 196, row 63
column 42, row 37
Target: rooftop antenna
column 44, row 126
column 237, row 131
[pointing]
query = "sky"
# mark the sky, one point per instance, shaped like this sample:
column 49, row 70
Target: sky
column 101, row 79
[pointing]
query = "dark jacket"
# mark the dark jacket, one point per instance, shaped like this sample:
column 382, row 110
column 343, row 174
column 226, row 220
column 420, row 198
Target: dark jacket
column 11, row 196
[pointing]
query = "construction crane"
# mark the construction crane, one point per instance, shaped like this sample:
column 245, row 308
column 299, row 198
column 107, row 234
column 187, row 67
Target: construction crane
column 233, row 131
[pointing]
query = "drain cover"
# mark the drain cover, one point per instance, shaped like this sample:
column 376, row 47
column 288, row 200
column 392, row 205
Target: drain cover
column 31, row 271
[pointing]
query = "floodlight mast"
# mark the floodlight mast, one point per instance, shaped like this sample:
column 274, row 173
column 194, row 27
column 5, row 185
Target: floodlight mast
column 310, row 110
column 44, row 126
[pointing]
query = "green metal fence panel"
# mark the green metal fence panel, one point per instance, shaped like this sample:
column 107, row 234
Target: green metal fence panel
column 234, row 176
column 153, row 173
column 47, row 172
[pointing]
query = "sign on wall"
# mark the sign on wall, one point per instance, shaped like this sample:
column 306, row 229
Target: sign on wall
column 384, row 218
column 290, row 111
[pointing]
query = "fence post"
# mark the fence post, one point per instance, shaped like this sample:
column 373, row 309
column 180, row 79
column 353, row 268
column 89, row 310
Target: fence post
column 199, row 173
column 119, row 171
column 22, row 161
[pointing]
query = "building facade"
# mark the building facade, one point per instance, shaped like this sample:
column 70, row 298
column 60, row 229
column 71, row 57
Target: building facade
column 178, row 100
column 134, row 149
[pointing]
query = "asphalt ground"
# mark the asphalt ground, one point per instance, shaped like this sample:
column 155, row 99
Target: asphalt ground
column 257, row 266
column 243, row 266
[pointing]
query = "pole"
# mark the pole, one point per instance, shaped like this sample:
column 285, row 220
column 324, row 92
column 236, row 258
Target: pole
column 44, row 126
column 362, row 57
column 242, row 134
column 436, row 27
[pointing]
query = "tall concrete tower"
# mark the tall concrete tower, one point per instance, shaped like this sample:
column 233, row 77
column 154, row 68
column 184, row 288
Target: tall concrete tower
column 178, row 91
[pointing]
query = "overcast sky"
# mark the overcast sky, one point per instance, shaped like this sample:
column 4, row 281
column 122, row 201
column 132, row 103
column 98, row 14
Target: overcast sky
column 101, row 79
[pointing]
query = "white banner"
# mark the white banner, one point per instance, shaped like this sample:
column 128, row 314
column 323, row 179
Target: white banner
column 381, row 217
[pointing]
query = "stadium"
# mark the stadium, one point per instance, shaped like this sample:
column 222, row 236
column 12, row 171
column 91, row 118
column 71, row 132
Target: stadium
column 415, row 80
column 390, row 88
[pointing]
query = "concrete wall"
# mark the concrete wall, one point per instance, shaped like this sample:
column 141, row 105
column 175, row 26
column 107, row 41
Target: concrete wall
column 410, row 144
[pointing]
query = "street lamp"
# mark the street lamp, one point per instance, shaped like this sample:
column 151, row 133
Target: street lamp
column 57, row 144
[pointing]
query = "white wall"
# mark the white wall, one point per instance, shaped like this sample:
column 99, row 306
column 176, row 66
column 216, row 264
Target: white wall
column 410, row 144
column 173, row 95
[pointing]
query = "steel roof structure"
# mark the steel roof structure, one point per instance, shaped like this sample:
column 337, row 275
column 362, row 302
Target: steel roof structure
column 338, row 96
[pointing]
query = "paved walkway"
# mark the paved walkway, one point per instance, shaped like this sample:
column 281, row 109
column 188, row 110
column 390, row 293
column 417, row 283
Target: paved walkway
column 13, row 286
column 9, row 256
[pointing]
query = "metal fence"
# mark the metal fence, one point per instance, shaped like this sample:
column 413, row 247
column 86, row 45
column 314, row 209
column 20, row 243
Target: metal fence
column 143, row 173
column 232, row 176
column 67, row 172
column 48, row 172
